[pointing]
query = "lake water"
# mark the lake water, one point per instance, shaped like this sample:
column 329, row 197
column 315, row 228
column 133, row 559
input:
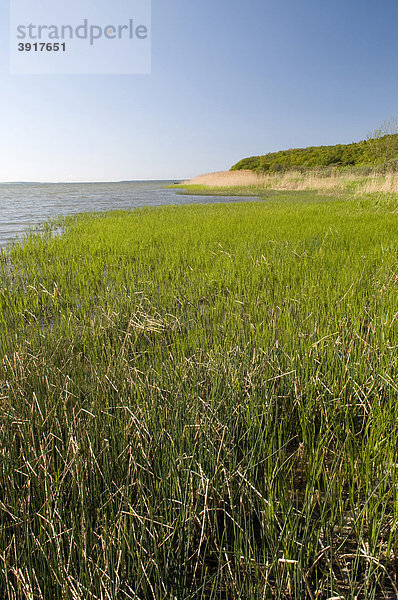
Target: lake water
column 26, row 205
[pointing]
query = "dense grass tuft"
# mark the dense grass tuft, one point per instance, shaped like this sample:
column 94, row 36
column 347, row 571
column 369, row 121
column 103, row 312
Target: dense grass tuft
column 200, row 402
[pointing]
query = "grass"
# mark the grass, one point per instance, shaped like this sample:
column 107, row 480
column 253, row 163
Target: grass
column 330, row 181
column 200, row 402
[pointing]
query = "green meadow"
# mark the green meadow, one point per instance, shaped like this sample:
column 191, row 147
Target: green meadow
column 200, row 403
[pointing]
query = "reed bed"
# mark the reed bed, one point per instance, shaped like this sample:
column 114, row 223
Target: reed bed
column 332, row 181
column 200, row 402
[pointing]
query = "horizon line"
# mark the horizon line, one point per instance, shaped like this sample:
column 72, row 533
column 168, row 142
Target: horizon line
column 21, row 182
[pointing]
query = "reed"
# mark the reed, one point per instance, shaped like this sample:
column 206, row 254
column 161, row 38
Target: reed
column 332, row 181
column 200, row 402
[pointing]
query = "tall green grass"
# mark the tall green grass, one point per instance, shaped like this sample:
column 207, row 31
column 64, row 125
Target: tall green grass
column 200, row 402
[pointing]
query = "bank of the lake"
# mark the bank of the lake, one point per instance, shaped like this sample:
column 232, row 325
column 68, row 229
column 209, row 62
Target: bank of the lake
column 29, row 205
column 200, row 402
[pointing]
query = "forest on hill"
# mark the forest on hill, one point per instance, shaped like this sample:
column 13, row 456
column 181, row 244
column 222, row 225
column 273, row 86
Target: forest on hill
column 379, row 152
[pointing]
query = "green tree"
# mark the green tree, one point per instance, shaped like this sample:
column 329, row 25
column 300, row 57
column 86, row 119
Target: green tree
column 383, row 142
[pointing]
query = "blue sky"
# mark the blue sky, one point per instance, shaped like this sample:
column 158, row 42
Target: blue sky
column 229, row 79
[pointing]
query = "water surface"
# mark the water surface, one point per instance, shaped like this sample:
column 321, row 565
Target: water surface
column 26, row 205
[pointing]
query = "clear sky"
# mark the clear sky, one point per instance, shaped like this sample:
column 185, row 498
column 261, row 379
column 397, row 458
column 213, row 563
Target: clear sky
column 229, row 79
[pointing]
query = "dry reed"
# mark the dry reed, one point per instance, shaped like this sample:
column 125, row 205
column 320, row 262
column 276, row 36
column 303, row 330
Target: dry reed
column 294, row 180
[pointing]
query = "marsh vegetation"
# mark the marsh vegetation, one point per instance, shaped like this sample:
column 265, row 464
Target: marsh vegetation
column 200, row 402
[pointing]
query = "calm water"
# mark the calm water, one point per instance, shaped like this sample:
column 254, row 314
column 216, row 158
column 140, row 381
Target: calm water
column 23, row 205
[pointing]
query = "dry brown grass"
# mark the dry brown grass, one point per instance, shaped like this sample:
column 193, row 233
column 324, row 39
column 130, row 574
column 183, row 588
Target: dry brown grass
column 382, row 183
column 294, row 180
column 228, row 179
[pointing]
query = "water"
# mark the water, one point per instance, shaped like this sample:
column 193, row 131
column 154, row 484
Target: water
column 26, row 205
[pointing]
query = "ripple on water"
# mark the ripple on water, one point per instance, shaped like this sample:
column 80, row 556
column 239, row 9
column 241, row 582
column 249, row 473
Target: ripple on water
column 27, row 205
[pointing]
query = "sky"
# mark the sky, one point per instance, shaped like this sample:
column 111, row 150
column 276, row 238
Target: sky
column 229, row 79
